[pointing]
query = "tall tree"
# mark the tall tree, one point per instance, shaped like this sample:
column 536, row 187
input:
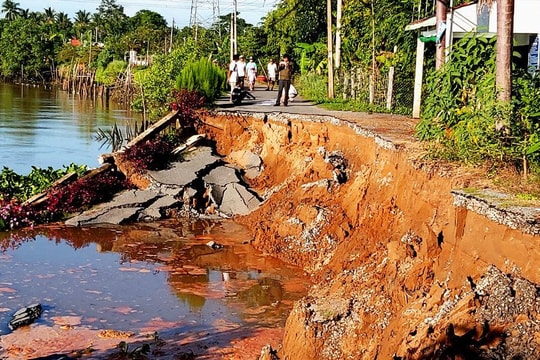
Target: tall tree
column 505, row 32
column 112, row 18
column 149, row 19
column 50, row 15
column 11, row 9
column 22, row 47
column 296, row 21
column 62, row 19
column 82, row 22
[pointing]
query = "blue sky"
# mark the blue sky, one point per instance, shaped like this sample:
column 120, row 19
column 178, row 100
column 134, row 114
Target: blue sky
column 180, row 10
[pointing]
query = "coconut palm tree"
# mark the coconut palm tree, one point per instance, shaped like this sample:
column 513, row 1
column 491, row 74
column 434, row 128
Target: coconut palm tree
column 11, row 9
column 50, row 15
column 82, row 22
column 82, row 17
column 62, row 20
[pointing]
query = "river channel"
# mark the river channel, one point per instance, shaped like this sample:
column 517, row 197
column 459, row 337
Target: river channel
column 143, row 277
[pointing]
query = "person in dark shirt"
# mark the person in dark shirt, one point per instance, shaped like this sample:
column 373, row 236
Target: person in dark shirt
column 285, row 69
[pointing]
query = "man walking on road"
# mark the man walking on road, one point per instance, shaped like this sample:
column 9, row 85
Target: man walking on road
column 272, row 75
column 285, row 74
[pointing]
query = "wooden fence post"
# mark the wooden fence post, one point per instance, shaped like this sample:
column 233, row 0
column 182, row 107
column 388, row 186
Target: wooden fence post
column 371, row 89
column 390, row 91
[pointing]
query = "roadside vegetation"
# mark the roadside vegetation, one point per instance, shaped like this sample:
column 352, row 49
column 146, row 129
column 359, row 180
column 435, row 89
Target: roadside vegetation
column 464, row 121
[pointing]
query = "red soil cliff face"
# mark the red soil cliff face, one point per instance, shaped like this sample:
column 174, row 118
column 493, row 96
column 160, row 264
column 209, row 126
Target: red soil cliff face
column 399, row 271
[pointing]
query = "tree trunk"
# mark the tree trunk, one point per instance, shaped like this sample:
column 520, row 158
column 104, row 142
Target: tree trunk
column 440, row 12
column 505, row 30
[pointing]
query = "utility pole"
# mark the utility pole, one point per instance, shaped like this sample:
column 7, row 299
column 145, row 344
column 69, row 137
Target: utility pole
column 329, row 42
column 172, row 33
column 231, row 25
column 339, row 14
column 234, row 38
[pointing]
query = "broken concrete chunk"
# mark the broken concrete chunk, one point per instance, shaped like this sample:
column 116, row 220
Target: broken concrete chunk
column 165, row 202
column 114, row 216
column 158, row 209
column 86, row 217
column 190, row 142
column 171, row 191
column 250, row 162
column 222, row 175
column 245, row 159
column 25, row 316
column 130, row 198
column 124, row 208
column 252, row 173
column 237, row 200
column 182, row 173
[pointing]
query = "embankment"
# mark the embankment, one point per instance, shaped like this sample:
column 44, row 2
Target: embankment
column 400, row 269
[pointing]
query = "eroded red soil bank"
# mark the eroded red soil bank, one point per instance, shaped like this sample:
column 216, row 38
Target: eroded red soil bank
column 399, row 271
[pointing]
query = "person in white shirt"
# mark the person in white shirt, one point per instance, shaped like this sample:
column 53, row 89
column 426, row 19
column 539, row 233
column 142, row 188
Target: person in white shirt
column 232, row 76
column 241, row 71
column 251, row 70
column 272, row 73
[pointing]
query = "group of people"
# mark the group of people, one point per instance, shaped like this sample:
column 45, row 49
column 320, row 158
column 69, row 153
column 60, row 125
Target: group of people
column 276, row 73
column 238, row 70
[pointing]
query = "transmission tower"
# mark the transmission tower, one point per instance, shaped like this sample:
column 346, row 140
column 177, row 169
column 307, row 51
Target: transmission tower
column 201, row 10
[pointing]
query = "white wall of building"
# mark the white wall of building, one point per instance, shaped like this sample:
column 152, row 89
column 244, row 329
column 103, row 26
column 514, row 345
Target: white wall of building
column 526, row 18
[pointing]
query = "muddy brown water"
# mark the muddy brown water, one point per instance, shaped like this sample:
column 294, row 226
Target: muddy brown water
column 151, row 276
column 139, row 278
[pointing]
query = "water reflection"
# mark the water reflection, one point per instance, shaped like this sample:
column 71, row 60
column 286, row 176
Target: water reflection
column 50, row 127
column 149, row 275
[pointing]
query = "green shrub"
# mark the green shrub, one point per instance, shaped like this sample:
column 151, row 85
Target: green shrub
column 312, row 86
column 204, row 77
column 460, row 108
column 22, row 187
column 107, row 76
column 525, row 123
column 158, row 81
column 463, row 120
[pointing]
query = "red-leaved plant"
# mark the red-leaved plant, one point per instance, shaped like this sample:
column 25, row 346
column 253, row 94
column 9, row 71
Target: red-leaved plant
column 149, row 155
column 189, row 105
column 85, row 192
column 14, row 215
